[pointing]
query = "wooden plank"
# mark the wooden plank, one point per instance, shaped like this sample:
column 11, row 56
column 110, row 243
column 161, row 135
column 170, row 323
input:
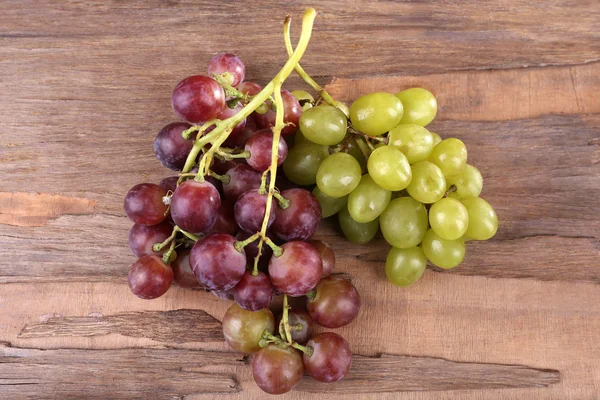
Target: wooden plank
column 174, row 325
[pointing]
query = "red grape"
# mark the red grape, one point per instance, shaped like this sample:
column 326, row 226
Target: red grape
column 183, row 275
column 260, row 145
column 221, row 167
column 252, row 250
column 195, row 206
column 243, row 329
column 254, row 293
column 224, row 295
column 169, row 183
column 216, row 262
column 225, row 222
column 227, row 62
column 297, row 270
column 327, row 256
column 250, row 211
column 198, row 99
column 239, row 138
column 230, row 112
column 295, row 318
column 291, row 109
column 171, row 148
column 336, row 303
column 300, row 220
column 143, row 237
column 242, row 179
column 144, row 204
column 277, row 370
column 149, row 277
column 250, row 88
column 331, row 359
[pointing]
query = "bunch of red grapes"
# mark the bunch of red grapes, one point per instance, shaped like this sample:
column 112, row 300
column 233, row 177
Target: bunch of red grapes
column 221, row 231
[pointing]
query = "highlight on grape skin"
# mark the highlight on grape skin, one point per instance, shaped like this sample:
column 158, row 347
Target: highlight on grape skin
column 259, row 167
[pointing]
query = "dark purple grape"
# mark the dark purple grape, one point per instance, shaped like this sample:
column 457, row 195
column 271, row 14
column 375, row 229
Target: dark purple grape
column 169, row 183
column 277, row 370
column 227, row 62
column 239, row 138
column 242, row 178
column 216, row 262
column 252, row 250
column 198, row 99
column 225, row 222
column 195, row 206
column 292, row 112
column 230, row 112
column 144, row 204
column 221, row 167
column 143, row 237
column 327, row 256
column 336, row 303
column 331, row 359
column 254, row 293
column 182, row 271
column 249, row 211
column 149, row 277
column 260, row 145
column 243, row 329
column 298, row 270
column 300, row 220
column 171, row 148
column 298, row 318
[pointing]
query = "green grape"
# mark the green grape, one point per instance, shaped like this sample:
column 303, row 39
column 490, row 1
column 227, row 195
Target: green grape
column 420, row 106
column 441, row 252
column 338, row 175
column 450, row 155
column 403, row 267
column 305, row 99
column 436, row 138
column 389, row 168
column 428, row 184
column 413, row 140
column 302, row 163
column 357, row 232
column 376, row 113
column 324, row 125
column 449, row 218
column 355, row 152
column 343, row 107
column 329, row 205
column 483, row 221
column 468, row 183
column 404, row 222
column 466, row 239
column 368, row 200
column 299, row 138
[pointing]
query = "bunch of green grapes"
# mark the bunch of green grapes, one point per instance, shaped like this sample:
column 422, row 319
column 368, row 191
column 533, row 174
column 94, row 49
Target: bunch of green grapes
column 376, row 166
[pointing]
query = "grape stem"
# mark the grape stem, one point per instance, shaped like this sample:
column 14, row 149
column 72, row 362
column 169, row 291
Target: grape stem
column 308, row 350
column 159, row 246
column 285, row 319
column 167, row 256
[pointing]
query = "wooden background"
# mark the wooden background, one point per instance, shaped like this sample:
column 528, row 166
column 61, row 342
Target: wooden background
column 85, row 86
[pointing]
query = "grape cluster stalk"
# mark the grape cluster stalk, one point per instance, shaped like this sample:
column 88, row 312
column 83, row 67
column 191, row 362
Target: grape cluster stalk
column 232, row 223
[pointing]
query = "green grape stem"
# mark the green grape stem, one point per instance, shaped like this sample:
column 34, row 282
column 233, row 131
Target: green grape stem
column 159, row 246
column 167, row 256
column 285, row 319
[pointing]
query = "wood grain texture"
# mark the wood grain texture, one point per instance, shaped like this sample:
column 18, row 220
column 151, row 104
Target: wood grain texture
column 86, row 86
column 174, row 325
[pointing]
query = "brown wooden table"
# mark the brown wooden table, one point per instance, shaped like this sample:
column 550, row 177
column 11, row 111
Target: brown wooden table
column 85, row 86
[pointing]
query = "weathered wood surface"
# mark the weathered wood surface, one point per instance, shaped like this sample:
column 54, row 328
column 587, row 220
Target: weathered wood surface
column 86, row 85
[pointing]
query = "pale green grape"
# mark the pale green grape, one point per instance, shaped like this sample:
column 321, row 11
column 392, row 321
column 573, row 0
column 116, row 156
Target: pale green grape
column 483, row 221
column 376, row 113
column 450, row 155
column 329, row 205
column 436, row 138
column 404, row 222
column 357, row 232
column 449, row 218
column 413, row 140
column 428, row 184
column 305, row 99
column 343, row 107
column 368, row 200
column 441, row 252
column 299, row 138
column 324, row 125
column 389, row 168
column 355, row 152
column 405, row 266
column 420, row 106
column 338, row 175
column 302, row 163
column 468, row 183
